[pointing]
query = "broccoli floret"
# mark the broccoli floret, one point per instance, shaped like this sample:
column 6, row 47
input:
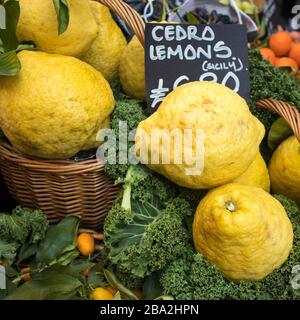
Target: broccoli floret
column 192, row 277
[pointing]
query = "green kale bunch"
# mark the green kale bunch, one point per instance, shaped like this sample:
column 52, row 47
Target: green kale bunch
column 191, row 277
column 23, row 225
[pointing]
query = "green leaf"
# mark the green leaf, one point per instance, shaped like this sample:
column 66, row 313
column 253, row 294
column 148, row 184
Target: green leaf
column 143, row 215
column 151, row 287
column 59, row 239
column 8, row 35
column 27, row 251
column 287, row 69
column 96, row 276
column 165, row 298
column 115, row 283
column 280, row 130
column 9, row 64
column 117, row 296
column 62, row 11
column 46, row 287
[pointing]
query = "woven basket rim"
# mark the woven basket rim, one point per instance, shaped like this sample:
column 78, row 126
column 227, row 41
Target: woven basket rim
column 8, row 153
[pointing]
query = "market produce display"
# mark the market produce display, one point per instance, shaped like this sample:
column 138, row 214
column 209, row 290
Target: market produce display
column 228, row 231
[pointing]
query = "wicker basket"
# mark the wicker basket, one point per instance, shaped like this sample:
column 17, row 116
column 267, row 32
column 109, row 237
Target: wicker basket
column 62, row 188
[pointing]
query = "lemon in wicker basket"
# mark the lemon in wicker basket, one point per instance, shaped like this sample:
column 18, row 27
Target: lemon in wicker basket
column 38, row 22
column 54, row 106
column 132, row 70
column 106, row 50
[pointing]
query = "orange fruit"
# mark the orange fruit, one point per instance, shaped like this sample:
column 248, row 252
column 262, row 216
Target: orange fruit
column 86, row 244
column 295, row 53
column 288, row 62
column 280, row 43
column 101, row 294
column 268, row 54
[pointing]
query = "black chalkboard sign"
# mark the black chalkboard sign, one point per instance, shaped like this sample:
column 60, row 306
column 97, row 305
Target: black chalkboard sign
column 180, row 53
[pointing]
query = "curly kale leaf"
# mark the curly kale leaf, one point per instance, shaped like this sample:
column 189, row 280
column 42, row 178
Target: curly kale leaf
column 147, row 238
column 22, row 226
column 132, row 112
column 8, row 250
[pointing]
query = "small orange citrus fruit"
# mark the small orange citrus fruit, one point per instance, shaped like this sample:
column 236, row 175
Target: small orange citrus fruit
column 101, row 294
column 268, row 54
column 86, row 244
column 295, row 53
column 288, row 62
column 280, row 43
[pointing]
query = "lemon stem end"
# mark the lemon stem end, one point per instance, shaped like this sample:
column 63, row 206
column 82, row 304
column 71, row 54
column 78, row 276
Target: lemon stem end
column 231, row 206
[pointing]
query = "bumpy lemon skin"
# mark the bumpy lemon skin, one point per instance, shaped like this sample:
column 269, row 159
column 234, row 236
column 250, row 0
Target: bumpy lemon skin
column 54, row 105
column 38, row 22
column 92, row 142
column 256, row 175
column 246, row 244
column 284, row 169
column 132, row 70
column 106, row 50
column 232, row 135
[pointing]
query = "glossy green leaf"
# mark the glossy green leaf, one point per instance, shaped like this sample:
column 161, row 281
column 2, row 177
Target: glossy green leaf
column 60, row 238
column 113, row 280
column 151, row 287
column 46, row 287
column 8, row 35
column 280, row 130
column 62, row 11
column 9, row 64
column 96, row 276
column 27, row 251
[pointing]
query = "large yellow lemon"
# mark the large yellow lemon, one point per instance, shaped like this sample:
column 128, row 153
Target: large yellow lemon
column 231, row 136
column 132, row 70
column 284, row 169
column 256, row 175
column 38, row 22
column 106, row 51
column 54, row 106
column 242, row 230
